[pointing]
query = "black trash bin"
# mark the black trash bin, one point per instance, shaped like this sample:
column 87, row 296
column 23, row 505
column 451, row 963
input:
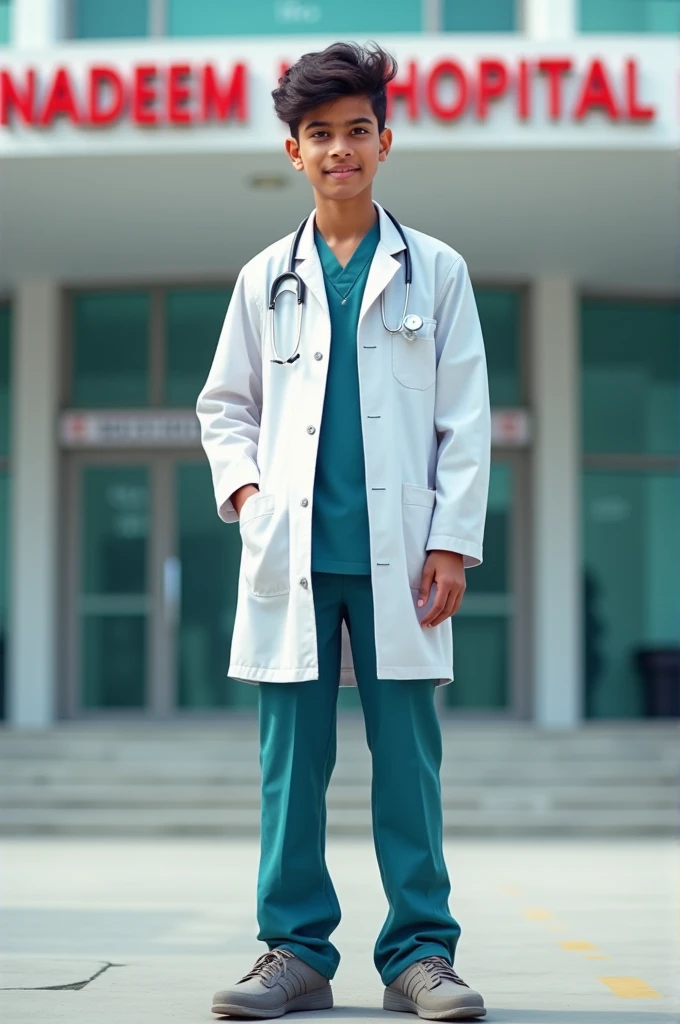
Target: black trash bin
column 660, row 670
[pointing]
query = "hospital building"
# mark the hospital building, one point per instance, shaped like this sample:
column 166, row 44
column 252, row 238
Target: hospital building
column 141, row 165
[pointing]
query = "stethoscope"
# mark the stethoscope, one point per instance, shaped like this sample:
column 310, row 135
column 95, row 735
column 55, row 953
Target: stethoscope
column 409, row 324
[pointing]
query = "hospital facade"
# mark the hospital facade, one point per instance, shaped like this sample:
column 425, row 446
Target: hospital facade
column 141, row 166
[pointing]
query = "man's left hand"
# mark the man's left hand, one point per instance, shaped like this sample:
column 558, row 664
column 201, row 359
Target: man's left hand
column 445, row 568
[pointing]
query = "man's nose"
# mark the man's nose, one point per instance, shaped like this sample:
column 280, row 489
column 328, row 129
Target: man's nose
column 342, row 147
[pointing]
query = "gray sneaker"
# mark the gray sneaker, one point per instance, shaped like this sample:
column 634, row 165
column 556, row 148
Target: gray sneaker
column 278, row 983
column 432, row 989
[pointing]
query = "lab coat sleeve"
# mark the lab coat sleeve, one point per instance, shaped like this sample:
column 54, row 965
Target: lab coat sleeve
column 462, row 422
column 230, row 403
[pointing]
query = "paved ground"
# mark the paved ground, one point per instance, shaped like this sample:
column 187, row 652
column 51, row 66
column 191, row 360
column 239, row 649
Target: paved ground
column 554, row 932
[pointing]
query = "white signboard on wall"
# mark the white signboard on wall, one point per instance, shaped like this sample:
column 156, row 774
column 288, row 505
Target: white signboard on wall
column 206, row 96
column 510, row 428
column 134, row 429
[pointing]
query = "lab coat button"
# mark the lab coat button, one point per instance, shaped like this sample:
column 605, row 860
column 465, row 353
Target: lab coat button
column 311, row 430
column 318, row 356
column 304, row 503
column 303, row 582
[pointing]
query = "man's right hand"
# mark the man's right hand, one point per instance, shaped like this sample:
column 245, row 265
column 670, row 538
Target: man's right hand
column 239, row 497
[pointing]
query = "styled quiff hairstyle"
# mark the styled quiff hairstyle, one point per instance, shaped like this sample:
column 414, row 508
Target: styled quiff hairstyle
column 342, row 69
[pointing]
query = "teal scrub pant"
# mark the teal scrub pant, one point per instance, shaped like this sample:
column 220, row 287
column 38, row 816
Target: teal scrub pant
column 297, row 907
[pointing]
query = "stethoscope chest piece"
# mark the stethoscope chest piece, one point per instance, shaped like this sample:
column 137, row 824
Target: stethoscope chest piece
column 412, row 324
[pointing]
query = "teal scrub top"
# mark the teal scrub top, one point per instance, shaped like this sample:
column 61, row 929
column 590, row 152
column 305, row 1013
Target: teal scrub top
column 340, row 536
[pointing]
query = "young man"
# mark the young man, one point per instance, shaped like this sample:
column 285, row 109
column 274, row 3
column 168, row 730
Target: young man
column 352, row 445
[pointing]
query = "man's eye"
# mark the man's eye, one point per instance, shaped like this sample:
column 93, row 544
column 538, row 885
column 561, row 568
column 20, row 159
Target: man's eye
column 362, row 130
column 319, row 135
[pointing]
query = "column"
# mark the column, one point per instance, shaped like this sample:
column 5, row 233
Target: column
column 557, row 598
column 37, row 24
column 431, row 15
column 550, row 19
column 32, row 662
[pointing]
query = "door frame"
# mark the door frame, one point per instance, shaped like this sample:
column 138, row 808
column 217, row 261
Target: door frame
column 521, row 565
column 520, row 688
column 161, row 669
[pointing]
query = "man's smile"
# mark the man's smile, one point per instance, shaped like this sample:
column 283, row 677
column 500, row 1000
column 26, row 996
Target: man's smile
column 343, row 171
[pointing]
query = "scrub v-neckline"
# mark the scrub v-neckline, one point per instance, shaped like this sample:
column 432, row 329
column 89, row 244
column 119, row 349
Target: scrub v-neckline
column 344, row 278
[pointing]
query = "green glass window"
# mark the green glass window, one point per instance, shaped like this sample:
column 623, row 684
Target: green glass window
column 291, row 17
column 630, row 16
column 631, row 583
column 110, row 360
column 480, row 16
column 499, row 313
column 194, row 318
column 96, row 19
column 4, row 21
column 630, row 377
column 5, row 345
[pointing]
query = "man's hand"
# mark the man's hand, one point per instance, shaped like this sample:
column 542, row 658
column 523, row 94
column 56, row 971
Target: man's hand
column 445, row 568
column 239, row 497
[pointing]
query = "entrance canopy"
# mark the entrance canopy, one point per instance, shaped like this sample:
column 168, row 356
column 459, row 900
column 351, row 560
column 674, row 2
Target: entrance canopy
column 604, row 219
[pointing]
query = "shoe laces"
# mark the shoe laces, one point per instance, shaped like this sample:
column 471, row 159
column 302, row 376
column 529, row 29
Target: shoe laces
column 440, row 970
column 269, row 965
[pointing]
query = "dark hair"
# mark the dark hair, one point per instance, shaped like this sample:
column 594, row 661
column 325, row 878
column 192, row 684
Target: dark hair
column 342, row 69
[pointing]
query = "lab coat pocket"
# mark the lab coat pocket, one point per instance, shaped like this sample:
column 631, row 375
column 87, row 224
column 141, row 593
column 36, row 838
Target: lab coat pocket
column 414, row 363
column 265, row 555
column 417, row 510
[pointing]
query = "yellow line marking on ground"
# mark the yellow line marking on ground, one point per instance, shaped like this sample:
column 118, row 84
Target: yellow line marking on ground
column 631, row 988
column 538, row 914
column 510, row 889
column 577, row 945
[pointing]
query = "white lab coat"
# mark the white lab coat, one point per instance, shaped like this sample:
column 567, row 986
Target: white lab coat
column 426, row 430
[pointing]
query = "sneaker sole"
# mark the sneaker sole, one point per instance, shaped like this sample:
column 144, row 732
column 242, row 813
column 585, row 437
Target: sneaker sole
column 322, row 999
column 402, row 1004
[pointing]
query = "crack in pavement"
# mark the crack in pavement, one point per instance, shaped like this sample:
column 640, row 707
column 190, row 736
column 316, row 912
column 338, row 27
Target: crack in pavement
column 75, row 985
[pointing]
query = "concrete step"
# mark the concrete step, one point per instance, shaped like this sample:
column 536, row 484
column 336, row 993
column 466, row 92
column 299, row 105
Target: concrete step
column 341, row 821
column 82, row 740
column 121, row 749
column 167, row 771
column 229, row 796
column 532, row 745
column 497, row 779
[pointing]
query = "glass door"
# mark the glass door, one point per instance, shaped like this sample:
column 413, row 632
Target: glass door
column 112, row 607
column 204, row 576
column 153, row 580
column 490, row 630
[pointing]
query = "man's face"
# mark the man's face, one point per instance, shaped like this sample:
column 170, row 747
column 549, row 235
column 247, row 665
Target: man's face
column 339, row 147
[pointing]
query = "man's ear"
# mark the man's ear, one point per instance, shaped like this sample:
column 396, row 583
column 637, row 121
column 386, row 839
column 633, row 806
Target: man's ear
column 385, row 144
column 293, row 151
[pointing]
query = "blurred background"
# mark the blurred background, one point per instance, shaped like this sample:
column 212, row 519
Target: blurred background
column 141, row 165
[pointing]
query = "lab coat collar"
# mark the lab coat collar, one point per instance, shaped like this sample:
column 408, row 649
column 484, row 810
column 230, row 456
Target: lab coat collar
column 383, row 266
column 390, row 239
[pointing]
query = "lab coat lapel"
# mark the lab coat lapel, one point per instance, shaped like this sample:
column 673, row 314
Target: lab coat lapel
column 308, row 264
column 311, row 273
column 383, row 269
